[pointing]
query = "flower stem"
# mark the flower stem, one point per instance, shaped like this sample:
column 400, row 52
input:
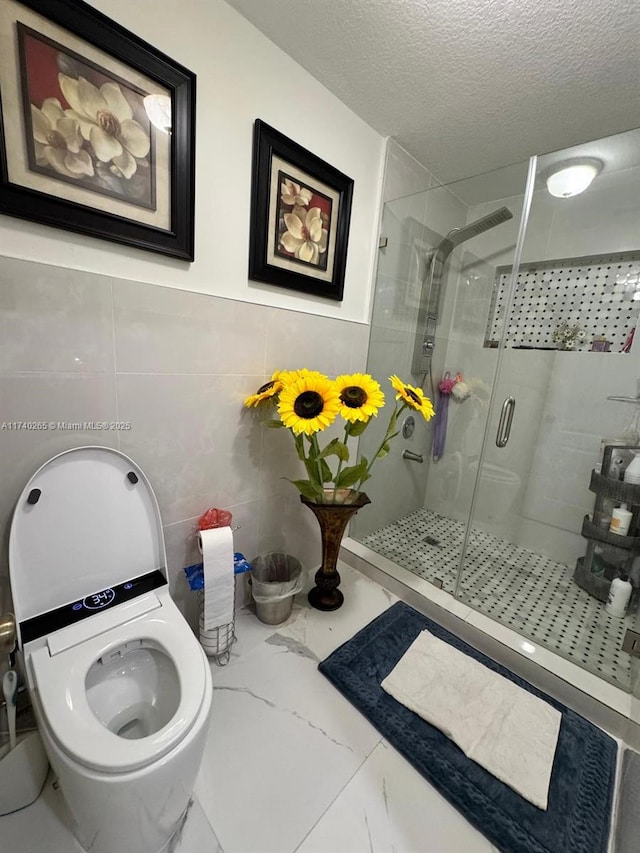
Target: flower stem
column 389, row 431
column 337, row 477
column 316, row 450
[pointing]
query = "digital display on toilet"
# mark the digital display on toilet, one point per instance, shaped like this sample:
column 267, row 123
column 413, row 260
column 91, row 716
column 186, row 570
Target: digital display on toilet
column 90, row 605
column 99, row 599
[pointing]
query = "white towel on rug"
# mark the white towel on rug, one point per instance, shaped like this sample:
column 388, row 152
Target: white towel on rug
column 505, row 729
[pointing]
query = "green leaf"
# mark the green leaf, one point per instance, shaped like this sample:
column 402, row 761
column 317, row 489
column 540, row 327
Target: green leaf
column 336, row 448
column 351, row 475
column 327, row 474
column 356, row 428
column 309, row 490
column 383, row 451
column 272, row 423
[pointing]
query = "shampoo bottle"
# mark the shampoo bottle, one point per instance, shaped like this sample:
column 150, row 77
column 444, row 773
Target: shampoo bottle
column 619, row 595
column 620, row 520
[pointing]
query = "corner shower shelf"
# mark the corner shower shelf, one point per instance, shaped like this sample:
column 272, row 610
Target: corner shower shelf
column 592, row 531
column 621, row 549
column 607, row 487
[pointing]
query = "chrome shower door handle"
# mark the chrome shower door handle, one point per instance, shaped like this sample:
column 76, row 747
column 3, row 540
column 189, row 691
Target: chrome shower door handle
column 506, row 419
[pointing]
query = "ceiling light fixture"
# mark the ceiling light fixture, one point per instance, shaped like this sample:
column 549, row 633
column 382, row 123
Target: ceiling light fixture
column 572, row 177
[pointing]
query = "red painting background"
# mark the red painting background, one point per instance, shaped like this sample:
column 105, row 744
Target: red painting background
column 317, row 200
column 42, row 61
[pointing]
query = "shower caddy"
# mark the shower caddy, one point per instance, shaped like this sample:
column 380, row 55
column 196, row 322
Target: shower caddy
column 623, row 549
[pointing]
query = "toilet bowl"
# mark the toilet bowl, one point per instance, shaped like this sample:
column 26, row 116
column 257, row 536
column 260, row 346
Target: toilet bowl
column 498, row 489
column 120, row 686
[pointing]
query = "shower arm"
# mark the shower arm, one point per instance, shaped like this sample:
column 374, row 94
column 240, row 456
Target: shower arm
column 430, row 299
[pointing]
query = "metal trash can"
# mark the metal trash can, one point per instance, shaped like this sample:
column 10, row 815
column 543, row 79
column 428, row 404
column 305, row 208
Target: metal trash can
column 275, row 579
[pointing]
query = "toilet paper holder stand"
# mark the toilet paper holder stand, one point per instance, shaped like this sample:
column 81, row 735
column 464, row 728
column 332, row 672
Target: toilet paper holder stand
column 217, row 642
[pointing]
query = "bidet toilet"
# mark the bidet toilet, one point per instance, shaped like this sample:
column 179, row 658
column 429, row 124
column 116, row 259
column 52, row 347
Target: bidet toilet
column 120, row 686
column 499, row 489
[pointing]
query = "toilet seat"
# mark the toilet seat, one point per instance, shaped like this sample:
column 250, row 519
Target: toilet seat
column 60, row 680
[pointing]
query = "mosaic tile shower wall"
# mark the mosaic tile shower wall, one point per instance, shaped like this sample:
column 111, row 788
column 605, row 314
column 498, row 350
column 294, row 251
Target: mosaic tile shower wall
column 600, row 294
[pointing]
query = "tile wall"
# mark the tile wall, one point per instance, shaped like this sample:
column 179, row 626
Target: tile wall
column 176, row 365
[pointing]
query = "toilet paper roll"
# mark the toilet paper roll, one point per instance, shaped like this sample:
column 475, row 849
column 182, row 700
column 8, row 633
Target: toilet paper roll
column 216, row 547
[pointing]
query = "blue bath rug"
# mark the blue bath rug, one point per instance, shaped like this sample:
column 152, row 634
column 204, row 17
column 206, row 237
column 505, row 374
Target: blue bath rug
column 581, row 791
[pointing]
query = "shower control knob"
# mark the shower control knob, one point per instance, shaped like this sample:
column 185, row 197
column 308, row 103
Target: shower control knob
column 408, row 426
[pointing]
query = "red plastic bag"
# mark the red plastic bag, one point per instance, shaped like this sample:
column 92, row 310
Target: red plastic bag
column 214, row 518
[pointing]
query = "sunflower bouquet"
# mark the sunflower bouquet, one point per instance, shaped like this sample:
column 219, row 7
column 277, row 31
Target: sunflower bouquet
column 307, row 402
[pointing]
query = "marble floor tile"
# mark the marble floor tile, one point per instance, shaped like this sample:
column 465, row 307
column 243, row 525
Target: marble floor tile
column 42, row 827
column 388, row 807
column 282, row 744
column 322, row 632
column 45, row 827
column 250, row 631
column 196, row 836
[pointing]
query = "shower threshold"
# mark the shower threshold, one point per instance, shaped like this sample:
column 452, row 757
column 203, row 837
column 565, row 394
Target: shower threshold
column 531, row 596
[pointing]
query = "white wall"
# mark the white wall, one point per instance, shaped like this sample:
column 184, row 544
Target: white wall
column 241, row 76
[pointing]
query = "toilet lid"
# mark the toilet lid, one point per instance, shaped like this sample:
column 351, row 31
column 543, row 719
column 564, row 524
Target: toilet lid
column 60, row 680
column 87, row 520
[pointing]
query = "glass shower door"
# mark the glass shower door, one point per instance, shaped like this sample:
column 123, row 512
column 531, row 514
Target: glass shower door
column 439, row 261
column 535, row 558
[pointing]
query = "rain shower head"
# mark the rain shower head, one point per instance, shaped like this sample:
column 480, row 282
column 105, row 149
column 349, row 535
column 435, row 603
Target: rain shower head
column 459, row 235
column 429, row 309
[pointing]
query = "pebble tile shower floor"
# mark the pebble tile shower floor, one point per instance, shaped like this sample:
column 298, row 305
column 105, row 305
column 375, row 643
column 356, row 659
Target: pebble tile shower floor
column 525, row 591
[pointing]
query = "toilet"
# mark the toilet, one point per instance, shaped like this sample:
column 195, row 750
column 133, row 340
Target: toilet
column 120, row 686
column 499, row 489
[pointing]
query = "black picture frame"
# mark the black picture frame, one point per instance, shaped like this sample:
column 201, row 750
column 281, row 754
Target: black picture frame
column 276, row 158
column 116, row 217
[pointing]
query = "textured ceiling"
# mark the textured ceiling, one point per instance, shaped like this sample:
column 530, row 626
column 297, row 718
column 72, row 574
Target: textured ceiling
column 474, row 85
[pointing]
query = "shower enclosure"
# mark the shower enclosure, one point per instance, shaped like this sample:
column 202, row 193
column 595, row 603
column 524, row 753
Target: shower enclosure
column 531, row 300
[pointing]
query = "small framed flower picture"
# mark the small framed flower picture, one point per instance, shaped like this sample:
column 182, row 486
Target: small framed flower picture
column 300, row 212
column 96, row 128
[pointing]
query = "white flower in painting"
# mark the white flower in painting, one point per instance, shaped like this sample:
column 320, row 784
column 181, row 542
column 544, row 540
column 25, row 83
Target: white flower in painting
column 306, row 239
column 291, row 193
column 58, row 141
column 106, row 121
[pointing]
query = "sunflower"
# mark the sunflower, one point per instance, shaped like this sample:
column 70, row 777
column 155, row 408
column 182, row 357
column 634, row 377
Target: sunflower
column 412, row 397
column 267, row 391
column 309, row 402
column 360, row 396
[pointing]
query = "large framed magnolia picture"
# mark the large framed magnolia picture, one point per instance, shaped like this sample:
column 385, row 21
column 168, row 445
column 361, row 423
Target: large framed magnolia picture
column 300, row 212
column 97, row 128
